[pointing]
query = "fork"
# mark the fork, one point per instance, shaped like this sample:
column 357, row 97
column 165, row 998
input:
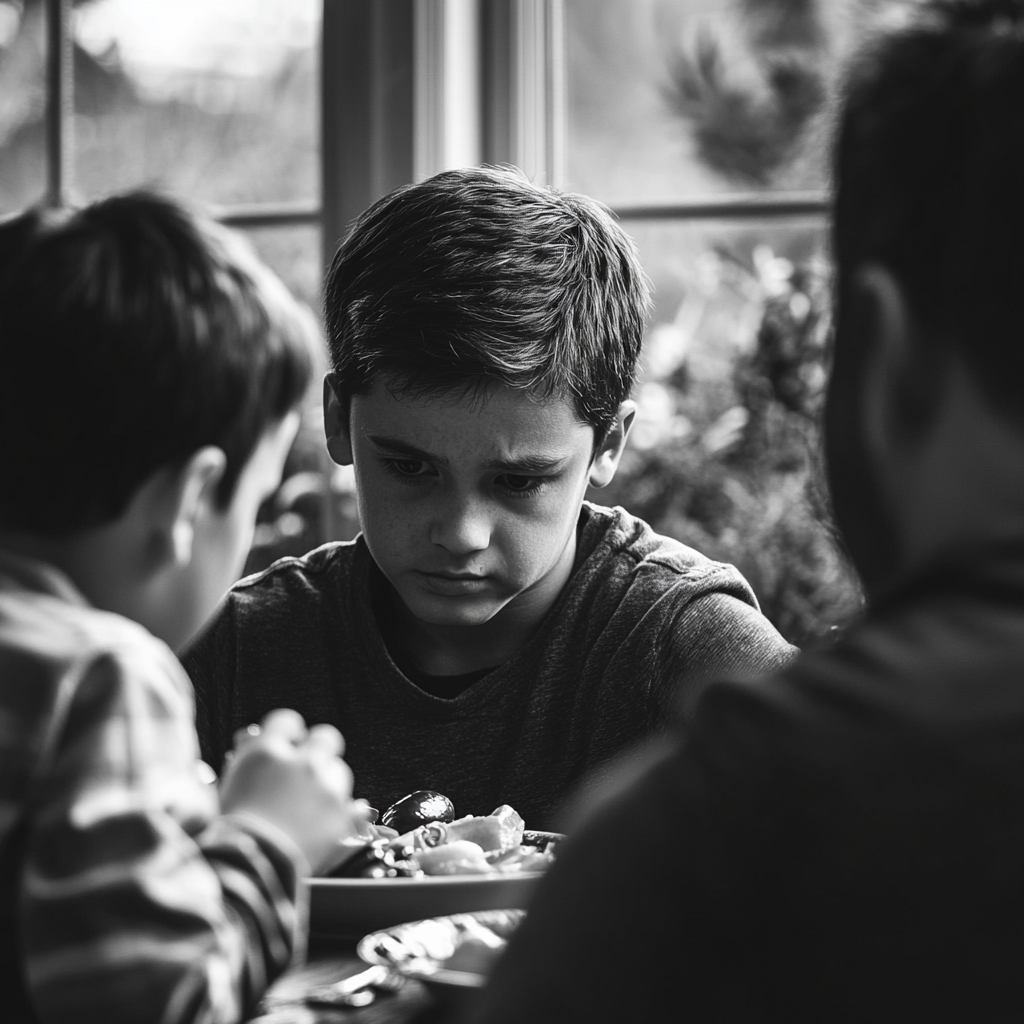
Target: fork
column 358, row 990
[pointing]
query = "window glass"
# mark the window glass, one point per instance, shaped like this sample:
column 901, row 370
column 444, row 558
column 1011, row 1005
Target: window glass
column 22, row 104
column 724, row 449
column 213, row 99
column 671, row 99
column 292, row 251
column 315, row 501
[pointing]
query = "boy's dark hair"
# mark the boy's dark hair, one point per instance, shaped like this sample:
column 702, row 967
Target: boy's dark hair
column 477, row 277
column 930, row 181
column 134, row 331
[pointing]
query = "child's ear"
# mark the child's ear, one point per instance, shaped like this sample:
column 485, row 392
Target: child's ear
column 188, row 493
column 336, row 429
column 606, row 459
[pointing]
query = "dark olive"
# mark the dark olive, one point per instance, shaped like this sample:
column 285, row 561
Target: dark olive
column 376, row 860
column 417, row 809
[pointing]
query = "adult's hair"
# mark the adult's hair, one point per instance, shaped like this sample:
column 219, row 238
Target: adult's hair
column 479, row 277
column 928, row 170
column 134, row 331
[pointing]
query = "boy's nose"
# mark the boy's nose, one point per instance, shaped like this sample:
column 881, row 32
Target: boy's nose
column 461, row 528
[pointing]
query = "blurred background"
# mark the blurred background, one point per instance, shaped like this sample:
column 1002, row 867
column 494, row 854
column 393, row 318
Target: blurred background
column 703, row 124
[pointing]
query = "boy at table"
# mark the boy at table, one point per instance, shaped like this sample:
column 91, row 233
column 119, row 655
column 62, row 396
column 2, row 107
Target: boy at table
column 844, row 843
column 151, row 370
column 490, row 634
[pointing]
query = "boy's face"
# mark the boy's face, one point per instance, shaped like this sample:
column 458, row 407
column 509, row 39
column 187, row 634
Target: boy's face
column 468, row 504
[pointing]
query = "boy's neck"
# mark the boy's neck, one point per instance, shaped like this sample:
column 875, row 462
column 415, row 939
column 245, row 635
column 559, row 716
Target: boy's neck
column 97, row 561
column 56, row 552
column 458, row 650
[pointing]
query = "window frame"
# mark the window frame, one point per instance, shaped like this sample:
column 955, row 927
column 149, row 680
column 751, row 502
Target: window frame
column 380, row 55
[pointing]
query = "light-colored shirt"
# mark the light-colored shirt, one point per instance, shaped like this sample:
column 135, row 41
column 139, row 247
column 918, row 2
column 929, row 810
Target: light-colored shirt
column 125, row 896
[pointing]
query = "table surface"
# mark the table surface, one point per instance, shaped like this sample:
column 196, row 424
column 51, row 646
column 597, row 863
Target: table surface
column 329, row 961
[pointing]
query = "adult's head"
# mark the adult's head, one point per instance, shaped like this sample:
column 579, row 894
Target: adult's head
column 929, row 217
column 134, row 332
column 479, row 277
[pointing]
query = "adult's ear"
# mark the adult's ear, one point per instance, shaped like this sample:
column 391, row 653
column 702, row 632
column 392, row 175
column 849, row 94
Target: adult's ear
column 898, row 387
column 336, row 426
column 181, row 497
column 606, row 459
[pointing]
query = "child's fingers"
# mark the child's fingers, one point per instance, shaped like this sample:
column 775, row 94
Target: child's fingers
column 340, row 777
column 326, row 738
column 243, row 736
column 284, row 723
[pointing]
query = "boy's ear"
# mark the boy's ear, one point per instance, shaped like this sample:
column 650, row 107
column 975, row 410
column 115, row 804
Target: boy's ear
column 181, row 498
column 606, row 458
column 336, row 428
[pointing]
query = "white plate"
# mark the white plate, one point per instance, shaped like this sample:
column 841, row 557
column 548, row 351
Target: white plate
column 351, row 907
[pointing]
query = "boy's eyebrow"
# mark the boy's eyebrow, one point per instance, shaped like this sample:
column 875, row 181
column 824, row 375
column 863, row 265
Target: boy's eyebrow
column 524, row 465
column 405, row 451
column 528, row 465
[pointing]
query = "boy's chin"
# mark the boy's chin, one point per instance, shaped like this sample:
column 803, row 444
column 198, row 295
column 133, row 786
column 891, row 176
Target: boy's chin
column 450, row 612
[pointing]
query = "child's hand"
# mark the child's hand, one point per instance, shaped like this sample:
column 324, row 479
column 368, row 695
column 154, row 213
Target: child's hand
column 294, row 779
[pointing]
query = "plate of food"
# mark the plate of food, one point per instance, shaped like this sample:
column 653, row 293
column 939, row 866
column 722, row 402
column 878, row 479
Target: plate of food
column 452, row 954
column 418, row 861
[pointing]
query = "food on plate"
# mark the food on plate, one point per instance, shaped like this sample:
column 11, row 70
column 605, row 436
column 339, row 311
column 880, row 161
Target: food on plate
column 496, row 832
column 473, row 845
column 459, row 857
column 419, row 808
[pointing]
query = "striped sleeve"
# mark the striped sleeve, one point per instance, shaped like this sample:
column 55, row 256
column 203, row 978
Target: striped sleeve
column 139, row 903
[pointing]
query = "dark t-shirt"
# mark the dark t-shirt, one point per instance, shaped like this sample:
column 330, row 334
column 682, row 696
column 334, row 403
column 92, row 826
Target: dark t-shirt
column 641, row 624
column 844, row 843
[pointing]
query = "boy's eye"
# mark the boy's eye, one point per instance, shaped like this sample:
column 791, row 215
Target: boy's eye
column 407, row 468
column 520, row 486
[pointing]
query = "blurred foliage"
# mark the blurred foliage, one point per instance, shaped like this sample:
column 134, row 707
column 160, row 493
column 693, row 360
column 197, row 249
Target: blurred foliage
column 725, row 452
column 747, row 131
column 749, row 106
column 732, row 463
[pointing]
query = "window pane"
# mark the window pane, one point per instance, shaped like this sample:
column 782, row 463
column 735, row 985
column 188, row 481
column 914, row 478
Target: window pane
column 22, row 104
column 670, row 99
column 722, row 455
column 293, row 253
column 315, row 501
column 214, row 99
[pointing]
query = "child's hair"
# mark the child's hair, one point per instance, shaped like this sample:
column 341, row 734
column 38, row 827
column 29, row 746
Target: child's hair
column 134, row 332
column 479, row 277
column 930, row 181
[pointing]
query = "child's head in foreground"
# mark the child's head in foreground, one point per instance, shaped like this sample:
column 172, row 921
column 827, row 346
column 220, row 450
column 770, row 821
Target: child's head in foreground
column 929, row 186
column 152, row 369
column 484, row 336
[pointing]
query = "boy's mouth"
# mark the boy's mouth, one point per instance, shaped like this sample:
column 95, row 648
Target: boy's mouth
column 454, row 584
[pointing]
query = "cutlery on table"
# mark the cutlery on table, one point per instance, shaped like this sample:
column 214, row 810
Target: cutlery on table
column 358, row 990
